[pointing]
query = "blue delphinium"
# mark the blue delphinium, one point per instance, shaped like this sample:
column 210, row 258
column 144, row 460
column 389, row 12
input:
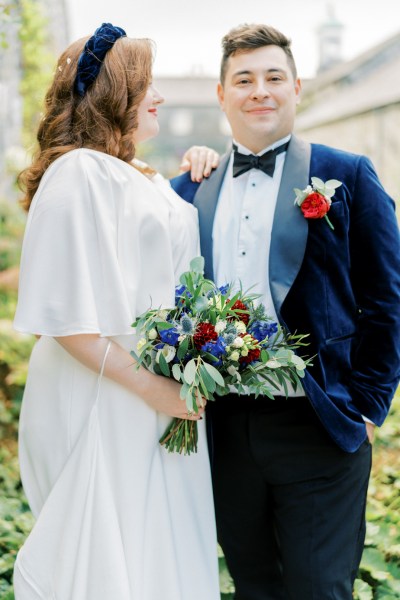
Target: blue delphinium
column 169, row 336
column 179, row 290
column 263, row 329
column 217, row 348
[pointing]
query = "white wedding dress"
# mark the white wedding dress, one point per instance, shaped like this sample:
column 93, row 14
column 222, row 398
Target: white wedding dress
column 118, row 517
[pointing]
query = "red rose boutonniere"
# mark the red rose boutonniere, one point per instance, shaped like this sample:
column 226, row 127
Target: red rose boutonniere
column 315, row 201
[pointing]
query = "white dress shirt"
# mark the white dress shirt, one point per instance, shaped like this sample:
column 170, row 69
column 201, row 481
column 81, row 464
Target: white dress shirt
column 242, row 230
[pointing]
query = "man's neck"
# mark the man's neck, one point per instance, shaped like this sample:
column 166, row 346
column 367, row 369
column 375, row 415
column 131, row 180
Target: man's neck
column 243, row 149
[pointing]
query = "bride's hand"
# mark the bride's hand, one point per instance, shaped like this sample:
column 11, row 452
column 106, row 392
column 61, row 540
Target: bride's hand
column 162, row 394
column 200, row 161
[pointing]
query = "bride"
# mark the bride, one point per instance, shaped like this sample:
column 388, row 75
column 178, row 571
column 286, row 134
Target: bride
column 117, row 516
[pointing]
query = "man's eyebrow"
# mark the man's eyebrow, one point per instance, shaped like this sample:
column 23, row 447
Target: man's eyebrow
column 249, row 72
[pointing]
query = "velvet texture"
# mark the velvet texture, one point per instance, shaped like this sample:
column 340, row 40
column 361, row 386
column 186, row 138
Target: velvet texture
column 346, row 295
column 91, row 59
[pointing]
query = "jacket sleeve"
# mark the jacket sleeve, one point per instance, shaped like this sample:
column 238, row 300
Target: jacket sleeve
column 375, row 273
column 185, row 187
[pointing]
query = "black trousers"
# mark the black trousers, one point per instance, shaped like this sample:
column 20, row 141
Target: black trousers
column 290, row 505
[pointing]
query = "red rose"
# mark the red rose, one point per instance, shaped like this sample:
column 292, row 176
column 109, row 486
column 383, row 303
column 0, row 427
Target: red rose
column 204, row 333
column 242, row 316
column 315, row 206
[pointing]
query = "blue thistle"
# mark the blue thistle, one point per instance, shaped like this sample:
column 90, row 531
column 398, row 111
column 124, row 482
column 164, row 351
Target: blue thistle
column 187, row 325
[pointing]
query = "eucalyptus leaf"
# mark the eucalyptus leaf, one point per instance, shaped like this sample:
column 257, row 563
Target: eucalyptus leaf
column 297, row 361
column 197, row 264
column 183, row 391
column 201, row 304
column 164, row 325
column 164, row 365
column 183, row 348
column 216, row 375
column 208, row 381
column 190, row 401
column 176, row 372
column 189, row 372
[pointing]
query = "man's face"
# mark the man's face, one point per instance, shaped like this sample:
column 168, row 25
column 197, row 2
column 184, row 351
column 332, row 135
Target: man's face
column 259, row 96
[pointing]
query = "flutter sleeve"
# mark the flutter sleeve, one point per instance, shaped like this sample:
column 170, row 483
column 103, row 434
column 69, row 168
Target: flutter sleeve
column 71, row 280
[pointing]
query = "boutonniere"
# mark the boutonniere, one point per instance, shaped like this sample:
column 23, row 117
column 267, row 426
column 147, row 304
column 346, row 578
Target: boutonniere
column 315, row 201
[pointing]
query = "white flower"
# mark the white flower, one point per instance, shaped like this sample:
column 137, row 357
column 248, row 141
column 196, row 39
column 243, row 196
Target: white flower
column 232, row 370
column 163, row 314
column 68, row 60
column 220, row 326
column 238, row 342
column 244, row 352
column 140, row 344
column 240, row 327
column 168, row 352
column 234, row 356
column 216, row 302
column 152, row 334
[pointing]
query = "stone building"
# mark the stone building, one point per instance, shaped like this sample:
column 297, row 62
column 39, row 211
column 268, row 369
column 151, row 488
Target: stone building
column 355, row 106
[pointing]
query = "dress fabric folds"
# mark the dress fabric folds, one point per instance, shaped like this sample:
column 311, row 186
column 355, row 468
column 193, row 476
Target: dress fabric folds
column 117, row 515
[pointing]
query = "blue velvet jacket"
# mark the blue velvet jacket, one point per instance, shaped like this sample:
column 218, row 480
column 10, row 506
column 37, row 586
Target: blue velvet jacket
column 341, row 286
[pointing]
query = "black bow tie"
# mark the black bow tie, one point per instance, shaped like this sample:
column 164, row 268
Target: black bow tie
column 265, row 162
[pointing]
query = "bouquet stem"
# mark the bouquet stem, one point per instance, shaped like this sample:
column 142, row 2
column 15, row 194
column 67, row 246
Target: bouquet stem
column 180, row 436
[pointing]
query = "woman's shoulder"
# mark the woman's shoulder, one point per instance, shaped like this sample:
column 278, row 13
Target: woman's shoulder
column 89, row 161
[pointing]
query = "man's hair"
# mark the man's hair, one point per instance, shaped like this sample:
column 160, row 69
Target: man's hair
column 104, row 119
column 246, row 38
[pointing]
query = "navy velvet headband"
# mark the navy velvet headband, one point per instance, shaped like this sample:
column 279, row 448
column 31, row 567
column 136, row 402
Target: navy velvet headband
column 93, row 54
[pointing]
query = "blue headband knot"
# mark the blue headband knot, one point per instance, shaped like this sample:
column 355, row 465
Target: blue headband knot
column 92, row 56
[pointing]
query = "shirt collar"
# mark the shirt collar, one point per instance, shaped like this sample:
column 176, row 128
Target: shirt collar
column 243, row 150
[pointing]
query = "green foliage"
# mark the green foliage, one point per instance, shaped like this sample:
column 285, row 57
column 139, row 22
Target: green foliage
column 37, row 65
column 12, row 224
column 7, row 16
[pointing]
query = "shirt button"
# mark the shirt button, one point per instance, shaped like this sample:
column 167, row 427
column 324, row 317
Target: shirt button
column 253, row 184
column 246, row 217
column 243, row 253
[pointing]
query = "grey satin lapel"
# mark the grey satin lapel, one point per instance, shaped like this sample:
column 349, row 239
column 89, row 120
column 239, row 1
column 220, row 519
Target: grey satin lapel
column 206, row 201
column 290, row 228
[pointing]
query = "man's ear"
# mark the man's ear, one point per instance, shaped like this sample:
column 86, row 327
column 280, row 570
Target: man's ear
column 297, row 87
column 220, row 95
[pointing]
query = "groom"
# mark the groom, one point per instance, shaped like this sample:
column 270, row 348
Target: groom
column 291, row 475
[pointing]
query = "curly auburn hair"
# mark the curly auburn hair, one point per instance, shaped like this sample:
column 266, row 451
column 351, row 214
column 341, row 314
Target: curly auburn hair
column 103, row 119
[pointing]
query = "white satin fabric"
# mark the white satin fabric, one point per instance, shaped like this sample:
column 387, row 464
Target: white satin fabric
column 117, row 515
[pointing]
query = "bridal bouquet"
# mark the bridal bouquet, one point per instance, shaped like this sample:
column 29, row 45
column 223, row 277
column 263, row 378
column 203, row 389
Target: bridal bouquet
column 214, row 342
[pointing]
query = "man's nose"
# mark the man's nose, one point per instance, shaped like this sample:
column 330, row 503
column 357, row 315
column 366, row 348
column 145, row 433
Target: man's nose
column 260, row 90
